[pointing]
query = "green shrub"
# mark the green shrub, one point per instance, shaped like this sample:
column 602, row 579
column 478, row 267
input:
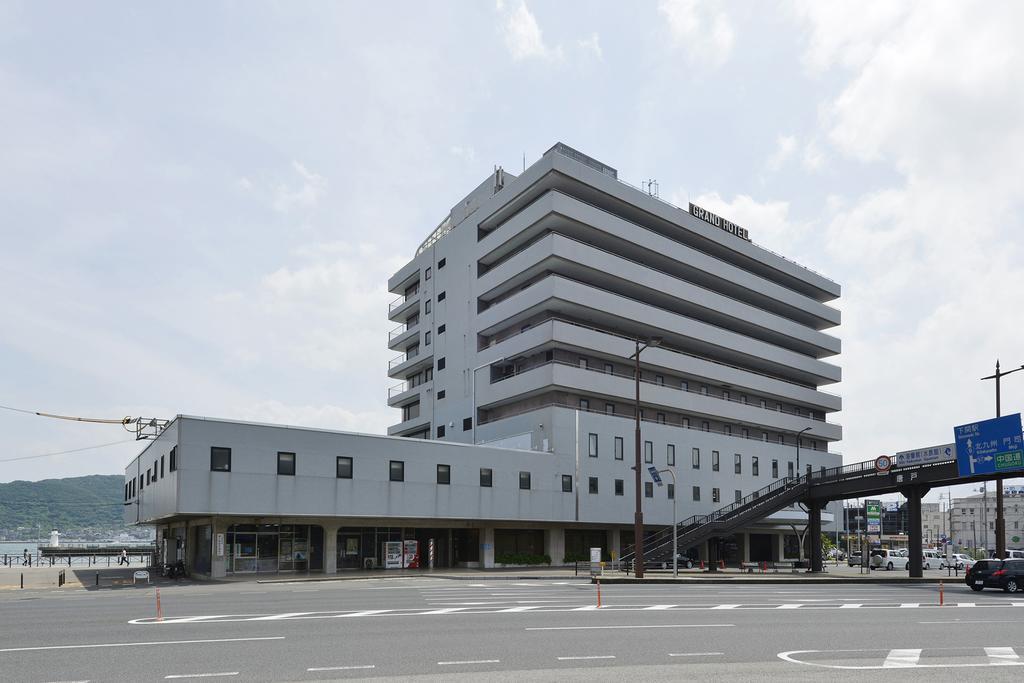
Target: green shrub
column 522, row 558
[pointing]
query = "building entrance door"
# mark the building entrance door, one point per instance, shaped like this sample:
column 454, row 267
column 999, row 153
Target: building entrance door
column 348, row 551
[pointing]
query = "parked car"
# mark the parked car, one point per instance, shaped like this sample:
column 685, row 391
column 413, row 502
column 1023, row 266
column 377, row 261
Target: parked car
column 959, row 561
column 888, row 560
column 1015, row 554
column 979, row 571
column 1009, row 576
column 931, row 558
column 854, row 560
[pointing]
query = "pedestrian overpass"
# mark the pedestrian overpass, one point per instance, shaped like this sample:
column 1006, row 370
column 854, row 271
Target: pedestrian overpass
column 814, row 490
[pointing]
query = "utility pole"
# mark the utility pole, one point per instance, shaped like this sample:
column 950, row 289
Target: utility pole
column 1000, row 521
column 638, row 519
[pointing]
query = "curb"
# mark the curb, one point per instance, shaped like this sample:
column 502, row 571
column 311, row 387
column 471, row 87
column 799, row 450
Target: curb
column 478, row 577
column 777, row 581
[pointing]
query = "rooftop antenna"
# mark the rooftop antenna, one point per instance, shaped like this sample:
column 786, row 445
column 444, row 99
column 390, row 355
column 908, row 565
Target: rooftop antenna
column 651, row 187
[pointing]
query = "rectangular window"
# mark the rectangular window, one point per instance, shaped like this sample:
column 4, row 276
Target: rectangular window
column 584, row 364
column 440, row 431
column 727, row 430
column 685, row 386
column 396, row 470
column 739, row 495
column 789, row 468
column 671, row 491
column 584, row 404
column 714, row 461
column 173, row 465
column 648, row 452
column 161, row 467
column 659, row 380
column 696, row 493
column 149, row 477
column 344, row 465
column 737, row 463
column 754, row 466
column 524, row 481
column 426, row 307
column 441, row 329
column 220, row 459
column 440, row 297
column 775, row 469
column 426, row 273
column 440, row 264
column 592, row 445
column 648, row 489
column 486, row 477
column 716, row 496
column 695, row 458
column 126, row 491
column 444, row 474
column 670, row 454
column 619, row 487
column 609, row 408
column 440, row 363
column 609, row 368
column 566, row 483
column 426, row 338
column 618, row 447
column 705, row 427
column 685, row 423
column 781, row 439
column 746, row 433
column 704, row 389
column 725, row 395
column 286, row 463
column 661, row 418
column 592, row 485
column 467, row 424
column 440, row 394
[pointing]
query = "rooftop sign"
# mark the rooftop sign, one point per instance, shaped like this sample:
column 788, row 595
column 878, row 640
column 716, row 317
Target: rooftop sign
column 719, row 222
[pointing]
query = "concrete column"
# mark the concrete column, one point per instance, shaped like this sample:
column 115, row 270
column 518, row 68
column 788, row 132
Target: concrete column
column 712, row 554
column 913, row 496
column 487, row 548
column 554, row 545
column 781, row 545
column 615, row 544
column 814, row 534
column 219, row 564
column 745, row 538
column 330, row 548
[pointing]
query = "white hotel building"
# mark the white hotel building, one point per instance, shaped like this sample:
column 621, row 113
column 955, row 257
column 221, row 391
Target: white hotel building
column 516, row 320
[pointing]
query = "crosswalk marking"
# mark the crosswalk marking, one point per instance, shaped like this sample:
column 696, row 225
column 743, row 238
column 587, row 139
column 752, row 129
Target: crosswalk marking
column 1002, row 655
column 902, row 658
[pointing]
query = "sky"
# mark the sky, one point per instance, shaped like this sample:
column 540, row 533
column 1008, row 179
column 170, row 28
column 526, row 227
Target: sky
column 200, row 203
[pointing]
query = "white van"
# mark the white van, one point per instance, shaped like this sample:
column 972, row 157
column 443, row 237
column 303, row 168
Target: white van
column 933, row 559
column 888, row 559
column 1014, row 555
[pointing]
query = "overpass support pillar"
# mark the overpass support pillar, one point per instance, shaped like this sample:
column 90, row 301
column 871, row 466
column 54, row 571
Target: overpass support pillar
column 814, row 513
column 913, row 495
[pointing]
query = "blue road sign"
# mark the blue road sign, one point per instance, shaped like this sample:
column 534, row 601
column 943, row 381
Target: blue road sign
column 989, row 446
column 654, row 474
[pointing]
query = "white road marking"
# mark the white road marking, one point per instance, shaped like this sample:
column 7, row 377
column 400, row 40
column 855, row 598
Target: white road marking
column 852, row 605
column 1002, row 655
column 659, row 607
column 902, row 658
column 158, row 642
column 365, row 613
column 341, row 668
column 725, row 606
column 595, row 628
column 223, row 673
column 694, row 654
column 444, row 610
column 564, row 659
column 790, row 606
column 965, row 604
column 962, row 621
column 790, row 657
column 471, row 661
column 287, row 615
column 910, row 604
column 524, row 608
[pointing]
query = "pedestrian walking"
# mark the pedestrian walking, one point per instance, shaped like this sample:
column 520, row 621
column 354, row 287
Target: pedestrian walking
column 124, row 556
column 24, row 558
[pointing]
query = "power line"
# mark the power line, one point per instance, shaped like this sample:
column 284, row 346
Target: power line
column 73, row 450
column 122, row 421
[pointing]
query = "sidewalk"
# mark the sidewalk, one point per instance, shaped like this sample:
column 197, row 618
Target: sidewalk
column 76, row 577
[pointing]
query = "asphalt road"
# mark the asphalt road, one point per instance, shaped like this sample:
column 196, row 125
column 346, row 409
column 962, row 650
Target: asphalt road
column 508, row 630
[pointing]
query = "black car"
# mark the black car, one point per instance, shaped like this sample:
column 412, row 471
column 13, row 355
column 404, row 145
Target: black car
column 1009, row 576
column 978, row 574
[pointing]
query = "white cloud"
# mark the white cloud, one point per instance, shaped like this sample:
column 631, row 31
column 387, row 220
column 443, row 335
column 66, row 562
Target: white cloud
column 813, row 156
column 305, row 196
column 701, row 28
column 768, row 222
column 465, row 153
column 592, row 45
column 785, row 145
column 523, row 36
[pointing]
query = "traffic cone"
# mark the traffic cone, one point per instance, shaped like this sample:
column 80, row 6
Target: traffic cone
column 159, row 610
column 702, row 565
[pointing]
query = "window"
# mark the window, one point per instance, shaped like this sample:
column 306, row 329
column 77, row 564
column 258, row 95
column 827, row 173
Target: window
column 441, row 263
column 428, row 374
column 609, row 368
column 566, row 483
column 714, row 461
column 775, row 469
column 592, row 485
column 695, row 458
column 705, row 427
column 746, row 433
column 609, row 408
column 524, row 481
column 739, row 495
column 762, row 403
column 440, row 431
column 789, row 468
column 444, row 474
column 618, row 448
column 584, row 364
column 696, row 493
column 753, row 466
column 648, row 452
column 781, row 439
column 704, row 389
column 725, row 395
column 737, row 463
column 441, row 329
column 440, row 394
column 743, row 399
column 727, row 430
column 173, row 465
column 716, row 496
column 671, row 491
column 619, row 487
column 126, row 491
column 397, row 470
column 648, row 489
column 670, row 454
column 426, row 273
column 426, row 338
column 584, row 404
column 149, row 477
column 426, row 307
column 592, row 445
column 161, row 467
column 440, row 297
column 661, row 418
column 220, row 459
column 344, row 465
column 467, row 424
column 440, row 363
column 486, row 477
column 286, row 463
column 685, row 386
column 659, row 380
column 685, row 423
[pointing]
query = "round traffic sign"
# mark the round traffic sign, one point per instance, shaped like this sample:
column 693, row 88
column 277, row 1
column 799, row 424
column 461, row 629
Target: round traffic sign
column 883, row 463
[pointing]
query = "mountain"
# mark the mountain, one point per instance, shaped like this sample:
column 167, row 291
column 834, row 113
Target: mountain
column 76, row 506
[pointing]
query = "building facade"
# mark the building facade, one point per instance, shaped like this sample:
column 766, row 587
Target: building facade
column 973, row 519
column 516, row 322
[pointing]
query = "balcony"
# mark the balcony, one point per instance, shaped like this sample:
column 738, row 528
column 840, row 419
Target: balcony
column 403, row 392
column 412, row 359
column 402, row 335
column 413, row 424
column 402, row 305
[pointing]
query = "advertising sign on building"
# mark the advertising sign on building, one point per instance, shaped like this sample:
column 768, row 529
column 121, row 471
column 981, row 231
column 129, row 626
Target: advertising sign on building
column 220, row 545
column 989, row 446
column 873, row 511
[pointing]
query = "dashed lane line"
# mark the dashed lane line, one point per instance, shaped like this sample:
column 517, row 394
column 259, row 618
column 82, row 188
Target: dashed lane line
column 567, row 659
column 204, row 675
column 470, row 661
column 622, row 626
column 342, row 668
column 136, row 644
column 695, row 654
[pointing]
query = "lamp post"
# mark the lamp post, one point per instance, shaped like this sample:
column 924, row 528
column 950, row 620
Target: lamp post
column 638, row 519
column 675, row 550
column 799, row 434
column 472, row 380
column 1000, row 521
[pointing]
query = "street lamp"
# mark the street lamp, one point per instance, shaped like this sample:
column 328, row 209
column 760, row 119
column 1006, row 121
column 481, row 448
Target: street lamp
column 675, row 550
column 638, row 520
column 472, row 380
column 799, row 434
column 1000, row 522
